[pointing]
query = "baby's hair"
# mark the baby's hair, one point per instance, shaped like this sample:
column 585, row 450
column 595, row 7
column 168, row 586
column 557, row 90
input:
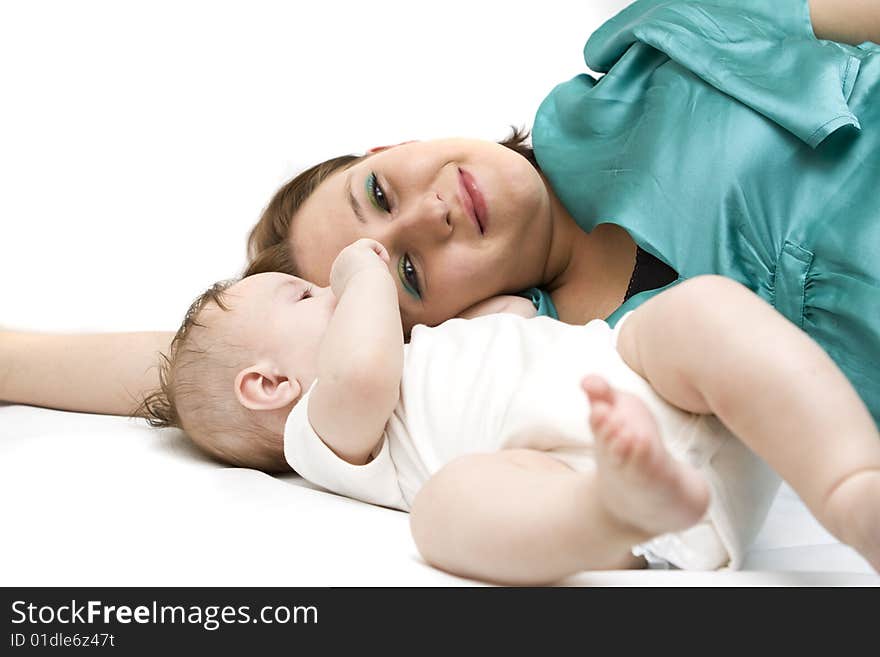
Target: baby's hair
column 159, row 407
column 190, row 397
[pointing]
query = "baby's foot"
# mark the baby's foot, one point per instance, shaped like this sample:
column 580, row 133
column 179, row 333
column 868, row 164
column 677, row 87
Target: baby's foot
column 639, row 482
column 855, row 512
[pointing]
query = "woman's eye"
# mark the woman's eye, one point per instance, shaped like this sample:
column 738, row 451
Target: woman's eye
column 408, row 275
column 376, row 194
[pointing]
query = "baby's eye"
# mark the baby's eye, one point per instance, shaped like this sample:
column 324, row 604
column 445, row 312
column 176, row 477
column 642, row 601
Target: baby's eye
column 306, row 293
column 376, row 194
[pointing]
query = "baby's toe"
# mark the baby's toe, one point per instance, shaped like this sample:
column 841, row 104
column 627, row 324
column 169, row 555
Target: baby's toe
column 642, row 450
column 600, row 414
column 622, row 447
column 597, row 389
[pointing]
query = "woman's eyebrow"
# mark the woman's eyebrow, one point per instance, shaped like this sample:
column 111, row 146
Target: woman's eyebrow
column 352, row 201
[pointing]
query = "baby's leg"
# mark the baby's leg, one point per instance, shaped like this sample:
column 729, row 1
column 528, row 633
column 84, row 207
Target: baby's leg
column 774, row 388
column 638, row 480
column 855, row 505
column 520, row 516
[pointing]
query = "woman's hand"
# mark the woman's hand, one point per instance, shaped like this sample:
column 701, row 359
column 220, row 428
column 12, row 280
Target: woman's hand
column 504, row 303
column 846, row 21
column 356, row 257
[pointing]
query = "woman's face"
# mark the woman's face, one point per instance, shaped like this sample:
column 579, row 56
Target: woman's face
column 421, row 200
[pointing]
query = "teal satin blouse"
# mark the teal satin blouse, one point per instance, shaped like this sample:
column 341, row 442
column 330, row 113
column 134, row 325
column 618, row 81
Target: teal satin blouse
column 726, row 139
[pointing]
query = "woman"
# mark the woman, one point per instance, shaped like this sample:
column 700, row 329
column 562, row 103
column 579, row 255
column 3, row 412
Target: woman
column 724, row 138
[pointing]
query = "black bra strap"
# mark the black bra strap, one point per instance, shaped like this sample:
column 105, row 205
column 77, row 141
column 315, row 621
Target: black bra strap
column 649, row 273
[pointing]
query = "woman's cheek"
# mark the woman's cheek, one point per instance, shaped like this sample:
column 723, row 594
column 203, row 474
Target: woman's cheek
column 470, row 266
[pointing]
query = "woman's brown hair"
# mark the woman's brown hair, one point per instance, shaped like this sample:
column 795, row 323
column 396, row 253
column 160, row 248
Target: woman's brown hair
column 268, row 247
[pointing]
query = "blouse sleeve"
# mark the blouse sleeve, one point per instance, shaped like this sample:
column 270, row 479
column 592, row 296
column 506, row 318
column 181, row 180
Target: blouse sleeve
column 763, row 54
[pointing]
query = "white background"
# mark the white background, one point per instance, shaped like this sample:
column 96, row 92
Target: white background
column 139, row 142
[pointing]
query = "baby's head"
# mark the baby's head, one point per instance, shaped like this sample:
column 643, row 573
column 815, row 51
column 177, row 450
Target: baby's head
column 244, row 355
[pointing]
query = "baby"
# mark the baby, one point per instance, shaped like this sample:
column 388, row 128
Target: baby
column 528, row 449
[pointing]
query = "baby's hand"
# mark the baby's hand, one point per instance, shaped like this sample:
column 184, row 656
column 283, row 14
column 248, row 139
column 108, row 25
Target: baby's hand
column 359, row 256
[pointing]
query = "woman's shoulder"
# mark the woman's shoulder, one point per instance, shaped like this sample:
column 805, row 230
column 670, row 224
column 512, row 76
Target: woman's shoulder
column 720, row 20
column 762, row 54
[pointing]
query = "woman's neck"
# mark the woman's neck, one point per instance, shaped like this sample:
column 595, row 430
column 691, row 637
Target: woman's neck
column 587, row 273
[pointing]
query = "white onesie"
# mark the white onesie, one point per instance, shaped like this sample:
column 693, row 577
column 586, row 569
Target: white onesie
column 501, row 381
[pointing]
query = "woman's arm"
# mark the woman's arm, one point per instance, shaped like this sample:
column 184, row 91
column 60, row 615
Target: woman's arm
column 93, row 373
column 846, row 21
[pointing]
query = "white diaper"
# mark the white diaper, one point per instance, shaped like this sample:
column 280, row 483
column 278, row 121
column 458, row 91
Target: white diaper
column 742, row 488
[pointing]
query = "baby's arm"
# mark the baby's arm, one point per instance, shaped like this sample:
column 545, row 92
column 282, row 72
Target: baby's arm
column 361, row 356
column 709, row 345
column 505, row 303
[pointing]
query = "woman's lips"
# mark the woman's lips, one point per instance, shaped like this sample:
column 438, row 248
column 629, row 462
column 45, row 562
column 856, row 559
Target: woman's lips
column 473, row 201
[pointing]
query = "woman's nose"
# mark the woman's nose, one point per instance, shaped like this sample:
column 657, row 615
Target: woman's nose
column 427, row 218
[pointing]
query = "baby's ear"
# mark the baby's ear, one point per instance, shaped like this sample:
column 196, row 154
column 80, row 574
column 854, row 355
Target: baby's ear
column 258, row 389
